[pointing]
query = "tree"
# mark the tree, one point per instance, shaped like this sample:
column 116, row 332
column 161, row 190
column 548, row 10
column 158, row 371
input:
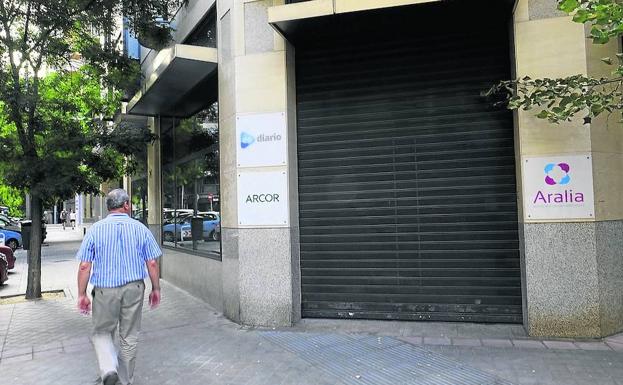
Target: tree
column 55, row 132
column 562, row 99
column 12, row 198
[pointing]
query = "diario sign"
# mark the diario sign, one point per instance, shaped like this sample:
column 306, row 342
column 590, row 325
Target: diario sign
column 261, row 140
column 558, row 187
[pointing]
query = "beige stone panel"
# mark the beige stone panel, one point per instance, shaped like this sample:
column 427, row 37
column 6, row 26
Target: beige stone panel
column 540, row 137
column 154, row 181
column 608, row 186
column 518, row 174
column 226, row 91
column 261, row 83
column 607, row 134
column 280, row 42
column 521, row 12
column 238, row 27
column 222, row 7
column 229, row 198
column 226, row 72
column 228, row 143
column 302, row 10
column 343, row 6
column 550, row 48
column 595, row 52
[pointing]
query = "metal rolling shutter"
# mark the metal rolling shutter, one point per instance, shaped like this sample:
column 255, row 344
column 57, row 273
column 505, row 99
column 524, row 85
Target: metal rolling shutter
column 407, row 179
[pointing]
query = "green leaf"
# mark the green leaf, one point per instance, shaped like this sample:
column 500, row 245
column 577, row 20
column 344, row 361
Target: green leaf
column 542, row 115
column 568, row 6
column 581, row 16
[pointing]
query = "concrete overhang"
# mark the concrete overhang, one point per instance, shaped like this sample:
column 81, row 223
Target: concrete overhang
column 123, row 117
column 286, row 18
column 177, row 73
column 297, row 20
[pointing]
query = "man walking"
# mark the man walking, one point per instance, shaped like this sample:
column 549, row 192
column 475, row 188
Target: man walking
column 72, row 219
column 63, row 218
column 116, row 250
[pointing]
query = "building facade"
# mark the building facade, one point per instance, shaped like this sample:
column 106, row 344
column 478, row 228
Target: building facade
column 335, row 159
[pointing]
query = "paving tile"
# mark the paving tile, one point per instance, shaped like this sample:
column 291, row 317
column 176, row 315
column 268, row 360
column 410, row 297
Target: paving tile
column 528, row 344
column 497, row 343
column 78, row 348
column 413, row 340
column 48, row 353
column 16, row 352
column 615, row 346
column 49, row 346
column 592, row 345
column 565, row 345
column 76, row 341
column 466, row 342
column 437, row 341
column 12, row 359
column 618, row 338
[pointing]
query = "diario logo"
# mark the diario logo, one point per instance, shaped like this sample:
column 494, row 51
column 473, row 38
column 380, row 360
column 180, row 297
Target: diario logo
column 557, row 174
column 246, row 140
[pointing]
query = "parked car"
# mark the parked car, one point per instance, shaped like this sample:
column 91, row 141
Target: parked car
column 7, row 223
column 216, row 235
column 13, row 239
column 168, row 215
column 4, row 272
column 10, row 257
column 211, row 221
column 172, row 229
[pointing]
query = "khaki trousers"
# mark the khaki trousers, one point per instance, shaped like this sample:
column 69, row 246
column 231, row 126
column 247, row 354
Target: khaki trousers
column 117, row 309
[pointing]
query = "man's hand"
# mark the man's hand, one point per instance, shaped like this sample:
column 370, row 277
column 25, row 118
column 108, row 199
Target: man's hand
column 84, row 305
column 154, row 299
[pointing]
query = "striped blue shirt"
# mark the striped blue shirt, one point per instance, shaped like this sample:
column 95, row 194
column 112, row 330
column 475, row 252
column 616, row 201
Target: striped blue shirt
column 118, row 246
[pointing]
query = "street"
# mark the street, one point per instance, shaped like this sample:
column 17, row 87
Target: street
column 187, row 342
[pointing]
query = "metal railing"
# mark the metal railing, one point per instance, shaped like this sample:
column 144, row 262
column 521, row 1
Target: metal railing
column 296, row 1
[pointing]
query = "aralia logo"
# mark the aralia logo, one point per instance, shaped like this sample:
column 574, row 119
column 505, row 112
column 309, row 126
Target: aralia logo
column 246, row 140
column 557, row 174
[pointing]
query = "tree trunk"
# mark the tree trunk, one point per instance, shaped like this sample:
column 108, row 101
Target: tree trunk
column 34, row 254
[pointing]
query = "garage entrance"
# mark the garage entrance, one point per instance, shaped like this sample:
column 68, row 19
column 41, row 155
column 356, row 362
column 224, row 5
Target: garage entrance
column 408, row 206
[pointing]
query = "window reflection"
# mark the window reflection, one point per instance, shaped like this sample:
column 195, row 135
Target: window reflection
column 139, row 187
column 204, row 34
column 190, row 181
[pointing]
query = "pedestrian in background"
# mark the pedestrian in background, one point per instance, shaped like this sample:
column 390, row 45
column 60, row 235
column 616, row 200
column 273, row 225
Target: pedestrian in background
column 117, row 253
column 72, row 219
column 64, row 218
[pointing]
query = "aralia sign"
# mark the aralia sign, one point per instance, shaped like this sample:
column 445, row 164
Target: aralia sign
column 558, row 188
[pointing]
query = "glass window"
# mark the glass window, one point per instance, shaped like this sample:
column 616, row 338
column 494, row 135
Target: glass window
column 190, row 182
column 204, row 34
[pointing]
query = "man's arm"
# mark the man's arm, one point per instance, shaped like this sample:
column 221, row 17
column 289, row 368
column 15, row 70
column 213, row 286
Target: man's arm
column 84, row 272
column 154, row 275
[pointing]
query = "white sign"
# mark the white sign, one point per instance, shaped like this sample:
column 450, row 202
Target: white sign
column 78, row 208
column 558, row 187
column 263, row 198
column 261, row 140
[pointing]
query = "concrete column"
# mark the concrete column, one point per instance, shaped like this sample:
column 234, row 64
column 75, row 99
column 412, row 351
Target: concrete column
column 154, row 185
column 260, row 265
column 573, row 269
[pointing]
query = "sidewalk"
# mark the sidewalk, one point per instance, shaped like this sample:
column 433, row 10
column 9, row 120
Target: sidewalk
column 186, row 342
